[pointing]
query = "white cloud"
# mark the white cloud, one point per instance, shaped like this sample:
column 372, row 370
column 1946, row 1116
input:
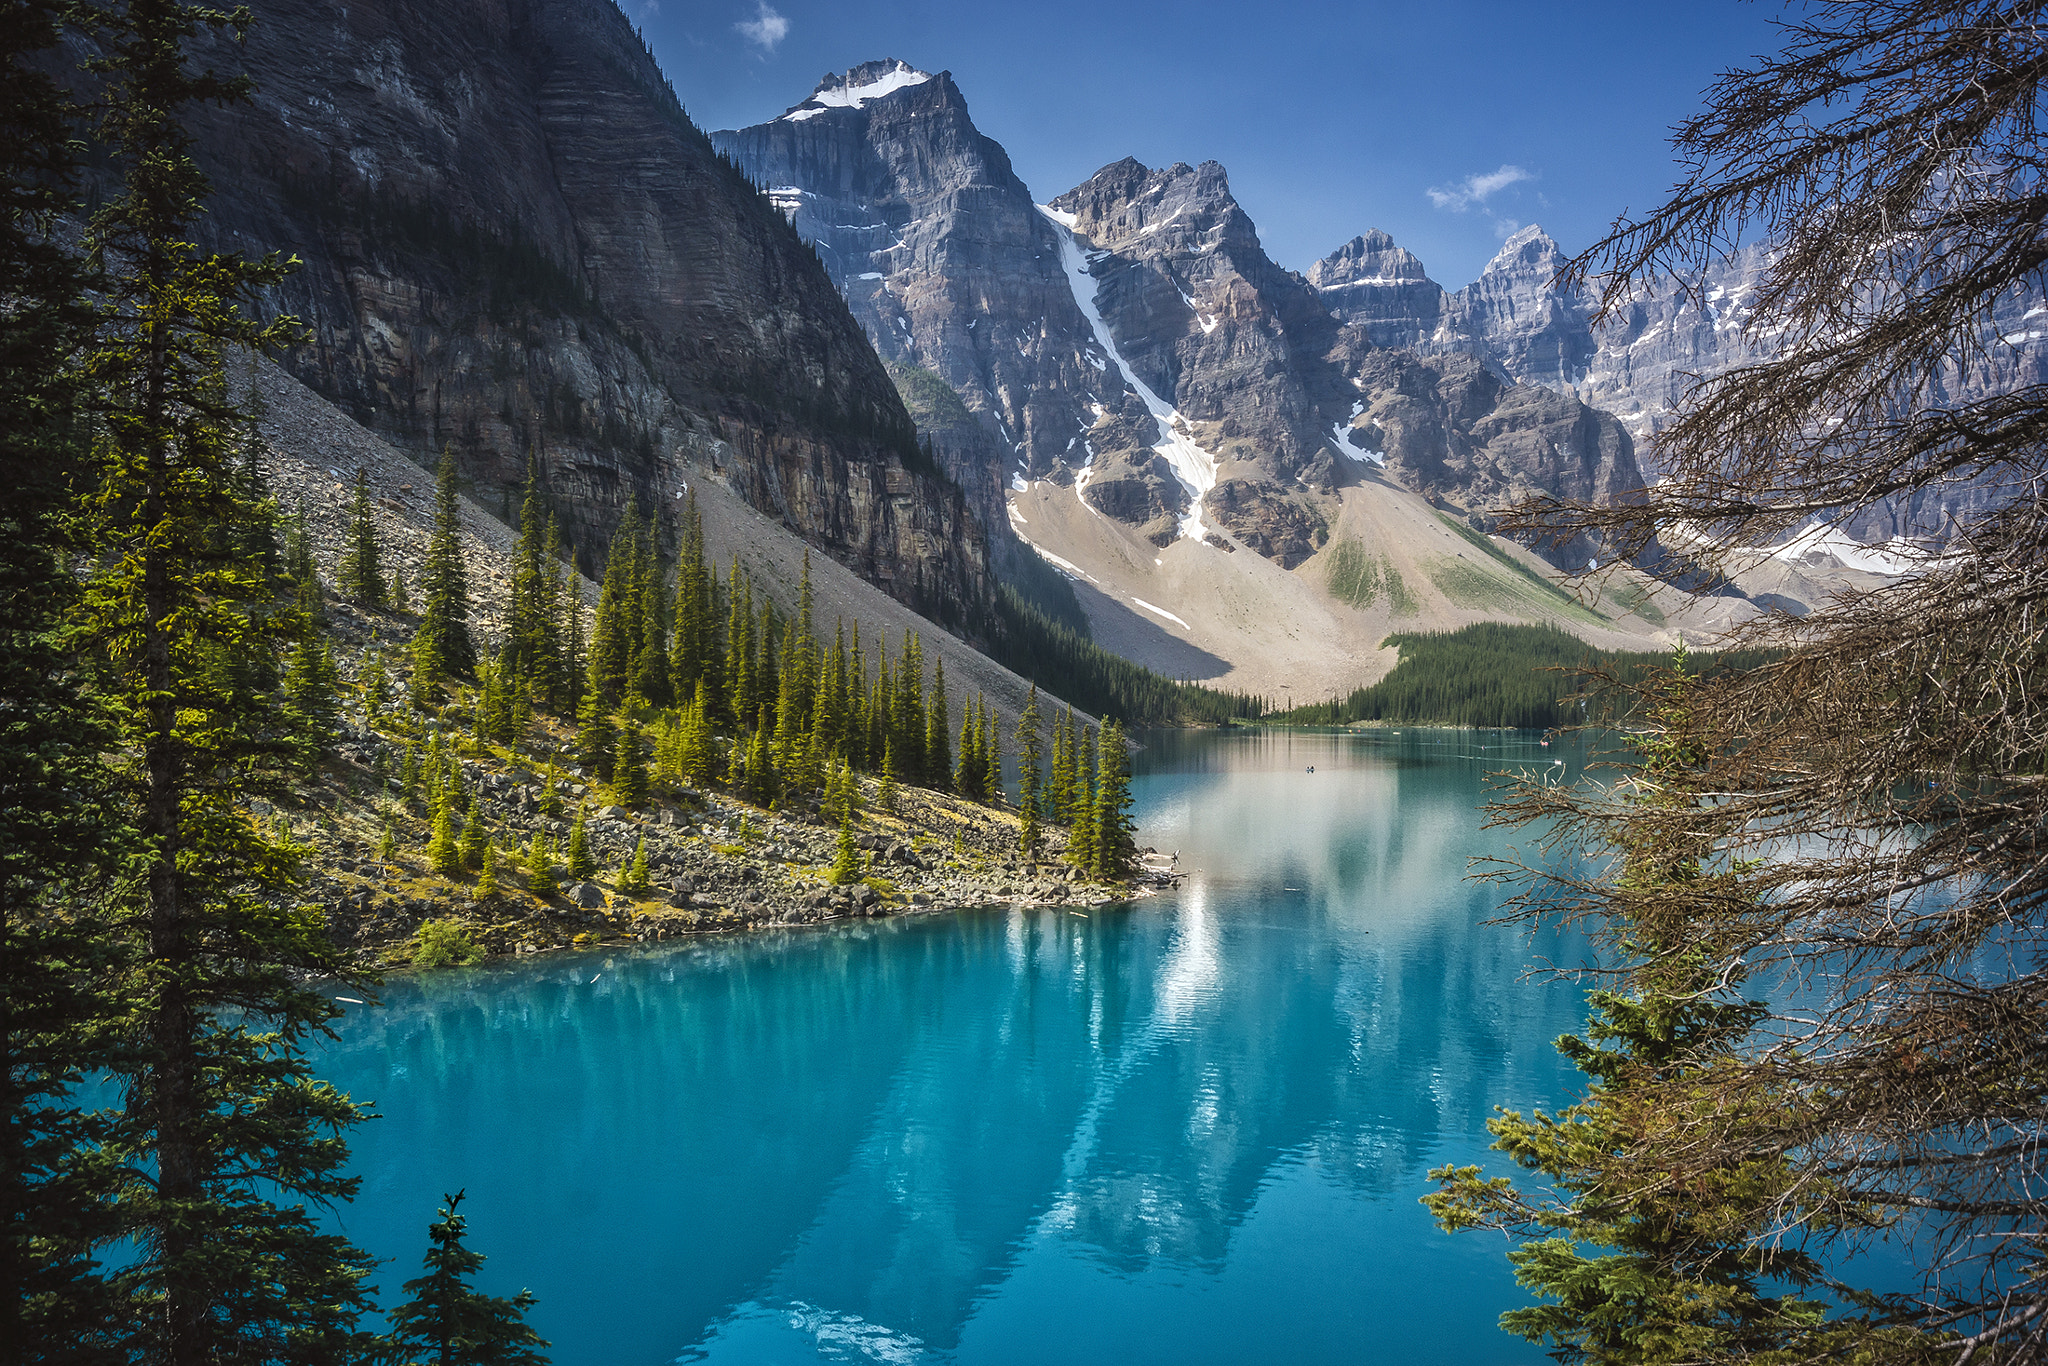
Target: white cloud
column 765, row 29
column 1476, row 189
column 1504, row 228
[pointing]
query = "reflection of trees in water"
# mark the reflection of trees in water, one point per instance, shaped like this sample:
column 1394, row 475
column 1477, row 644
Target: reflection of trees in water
column 877, row 1120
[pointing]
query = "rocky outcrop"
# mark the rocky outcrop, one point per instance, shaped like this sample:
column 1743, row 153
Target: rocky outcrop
column 1204, row 317
column 514, row 239
column 1452, row 429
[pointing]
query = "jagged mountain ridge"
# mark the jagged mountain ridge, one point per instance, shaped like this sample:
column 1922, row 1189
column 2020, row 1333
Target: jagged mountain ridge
column 1641, row 360
column 1240, row 487
column 514, row 239
column 1133, row 339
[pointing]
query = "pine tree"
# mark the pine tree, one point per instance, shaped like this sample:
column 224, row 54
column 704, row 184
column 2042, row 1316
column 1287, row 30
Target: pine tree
column 633, row 878
column 1059, row 793
column 361, row 577
column 581, row 864
column 612, row 636
column 310, row 702
column 1113, row 852
column 938, row 743
column 596, row 741
column 629, row 769
column 446, row 1322
column 991, row 754
column 908, row 722
column 226, row 1136
column 968, row 775
column 885, row 790
column 1636, row 1270
column 1030, row 748
column 62, row 823
column 444, row 583
column 532, row 644
column 469, row 850
column 298, row 557
column 762, row 785
column 442, row 855
column 846, row 866
column 540, row 868
column 400, row 600
column 375, row 684
column 487, row 879
column 1082, row 828
column 698, row 754
column 690, row 658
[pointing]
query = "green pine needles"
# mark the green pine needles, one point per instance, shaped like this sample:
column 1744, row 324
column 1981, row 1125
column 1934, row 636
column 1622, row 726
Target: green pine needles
column 446, row 1321
column 361, row 575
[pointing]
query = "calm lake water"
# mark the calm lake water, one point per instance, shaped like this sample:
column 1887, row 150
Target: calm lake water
column 1189, row 1131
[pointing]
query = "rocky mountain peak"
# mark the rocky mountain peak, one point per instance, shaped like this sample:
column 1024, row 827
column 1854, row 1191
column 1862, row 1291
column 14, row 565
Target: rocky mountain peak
column 1525, row 248
column 1126, row 200
column 1371, row 258
column 1374, row 283
column 856, row 87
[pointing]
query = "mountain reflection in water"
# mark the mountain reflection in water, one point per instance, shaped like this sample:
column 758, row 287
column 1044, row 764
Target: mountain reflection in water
column 1192, row 1130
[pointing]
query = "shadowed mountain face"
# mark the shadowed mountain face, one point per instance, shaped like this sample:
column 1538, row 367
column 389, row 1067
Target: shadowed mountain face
column 1131, row 337
column 514, row 239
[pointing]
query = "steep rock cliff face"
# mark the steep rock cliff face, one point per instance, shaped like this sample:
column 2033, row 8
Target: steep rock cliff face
column 1374, row 284
column 943, row 258
column 514, row 239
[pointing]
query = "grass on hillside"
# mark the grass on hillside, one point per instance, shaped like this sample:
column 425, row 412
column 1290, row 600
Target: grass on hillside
column 1470, row 585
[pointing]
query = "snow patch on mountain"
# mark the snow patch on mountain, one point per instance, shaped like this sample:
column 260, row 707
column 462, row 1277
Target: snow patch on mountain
column 1897, row 557
column 1161, row 611
column 1340, row 433
column 1194, row 467
column 843, row 96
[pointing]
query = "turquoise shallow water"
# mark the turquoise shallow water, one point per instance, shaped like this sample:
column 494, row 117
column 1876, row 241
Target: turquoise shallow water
column 1190, row 1131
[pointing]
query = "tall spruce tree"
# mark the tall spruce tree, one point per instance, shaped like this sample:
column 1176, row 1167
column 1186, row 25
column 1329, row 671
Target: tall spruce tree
column 361, row 576
column 938, row 743
column 1030, row 751
column 446, row 1321
column 444, row 582
column 580, row 863
column 224, row 1122
column 532, row 651
column 1637, row 1271
column 61, row 822
column 629, row 768
column 1113, row 852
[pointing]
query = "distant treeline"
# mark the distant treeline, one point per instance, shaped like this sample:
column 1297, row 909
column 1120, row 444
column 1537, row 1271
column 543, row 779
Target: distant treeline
column 1494, row 675
column 1065, row 662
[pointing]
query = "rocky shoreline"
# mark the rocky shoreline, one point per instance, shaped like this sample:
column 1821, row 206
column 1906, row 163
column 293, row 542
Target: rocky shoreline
column 714, row 864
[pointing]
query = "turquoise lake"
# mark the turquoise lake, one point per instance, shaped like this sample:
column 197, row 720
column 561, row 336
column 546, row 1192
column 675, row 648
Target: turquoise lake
column 1192, row 1130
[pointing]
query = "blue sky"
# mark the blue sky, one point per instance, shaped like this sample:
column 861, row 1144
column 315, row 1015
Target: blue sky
column 1445, row 124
